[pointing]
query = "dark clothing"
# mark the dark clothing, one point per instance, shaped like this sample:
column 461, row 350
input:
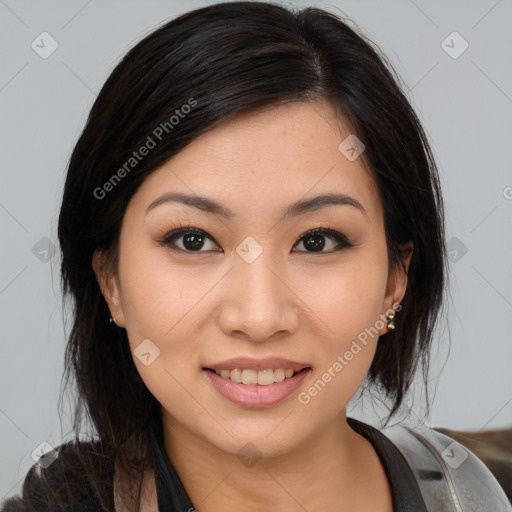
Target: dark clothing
column 413, row 461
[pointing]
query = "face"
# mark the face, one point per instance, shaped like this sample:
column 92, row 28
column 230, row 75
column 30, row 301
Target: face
column 251, row 280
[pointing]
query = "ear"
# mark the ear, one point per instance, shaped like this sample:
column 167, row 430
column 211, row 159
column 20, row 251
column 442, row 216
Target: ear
column 397, row 282
column 109, row 286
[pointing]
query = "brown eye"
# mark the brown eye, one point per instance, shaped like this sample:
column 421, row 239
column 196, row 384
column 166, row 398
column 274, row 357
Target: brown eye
column 314, row 240
column 193, row 239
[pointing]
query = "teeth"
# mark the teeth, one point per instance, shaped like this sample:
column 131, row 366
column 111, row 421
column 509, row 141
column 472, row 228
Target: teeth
column 250, row 376
column 266, row 377
column 279, row 374
column 235, row 375
column 262, row 377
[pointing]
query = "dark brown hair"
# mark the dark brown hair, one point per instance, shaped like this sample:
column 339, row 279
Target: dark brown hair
column 231, row 58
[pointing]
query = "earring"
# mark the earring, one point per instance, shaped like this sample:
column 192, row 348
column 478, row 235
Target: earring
column 391, row 321
column 112, row 320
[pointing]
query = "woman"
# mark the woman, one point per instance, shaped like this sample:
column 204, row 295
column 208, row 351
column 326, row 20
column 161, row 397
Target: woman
column 251, row 229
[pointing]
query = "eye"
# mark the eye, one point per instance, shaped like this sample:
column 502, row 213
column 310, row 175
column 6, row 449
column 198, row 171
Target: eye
column 315, row 240
column 192, row 239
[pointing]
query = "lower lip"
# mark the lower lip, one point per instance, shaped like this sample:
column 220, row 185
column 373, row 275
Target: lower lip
column 256, row 396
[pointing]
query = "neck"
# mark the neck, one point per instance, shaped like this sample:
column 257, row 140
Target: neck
column 332, row 466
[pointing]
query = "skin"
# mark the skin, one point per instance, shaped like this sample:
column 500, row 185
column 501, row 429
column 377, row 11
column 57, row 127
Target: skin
column 293, row 302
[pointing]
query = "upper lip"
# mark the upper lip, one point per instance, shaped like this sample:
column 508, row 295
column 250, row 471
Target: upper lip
column 258, row 364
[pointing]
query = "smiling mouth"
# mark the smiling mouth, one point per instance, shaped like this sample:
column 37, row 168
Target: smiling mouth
column 261, row 377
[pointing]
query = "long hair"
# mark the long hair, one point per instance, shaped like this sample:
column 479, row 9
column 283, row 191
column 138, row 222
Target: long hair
column 221, row 61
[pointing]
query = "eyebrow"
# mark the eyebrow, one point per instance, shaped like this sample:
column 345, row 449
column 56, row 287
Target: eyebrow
column 298, row 208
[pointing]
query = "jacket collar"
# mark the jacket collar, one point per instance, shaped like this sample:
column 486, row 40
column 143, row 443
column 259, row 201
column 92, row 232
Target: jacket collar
column 405, row 491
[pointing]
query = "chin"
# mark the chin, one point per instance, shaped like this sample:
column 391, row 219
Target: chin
column 259, row 437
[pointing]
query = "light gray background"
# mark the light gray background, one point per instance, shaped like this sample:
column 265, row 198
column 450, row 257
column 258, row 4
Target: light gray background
column 465, row 104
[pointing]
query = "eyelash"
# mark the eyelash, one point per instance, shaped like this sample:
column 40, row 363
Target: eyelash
column 175, row 234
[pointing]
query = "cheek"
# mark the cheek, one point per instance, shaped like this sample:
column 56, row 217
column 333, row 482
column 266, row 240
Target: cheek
column 347, row 304
column 348, row 298
column 156, row 295
column 158, row 303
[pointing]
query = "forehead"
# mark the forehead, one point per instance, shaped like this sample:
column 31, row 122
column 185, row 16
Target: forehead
column 264, row 159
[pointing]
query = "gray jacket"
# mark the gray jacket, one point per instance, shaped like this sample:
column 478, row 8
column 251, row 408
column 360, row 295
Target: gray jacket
column 450, row 478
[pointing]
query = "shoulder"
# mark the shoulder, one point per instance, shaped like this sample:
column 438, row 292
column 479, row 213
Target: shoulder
column 57, row 481
column 447, row 471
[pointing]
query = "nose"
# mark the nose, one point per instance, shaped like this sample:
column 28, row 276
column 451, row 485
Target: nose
column 259, row 303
